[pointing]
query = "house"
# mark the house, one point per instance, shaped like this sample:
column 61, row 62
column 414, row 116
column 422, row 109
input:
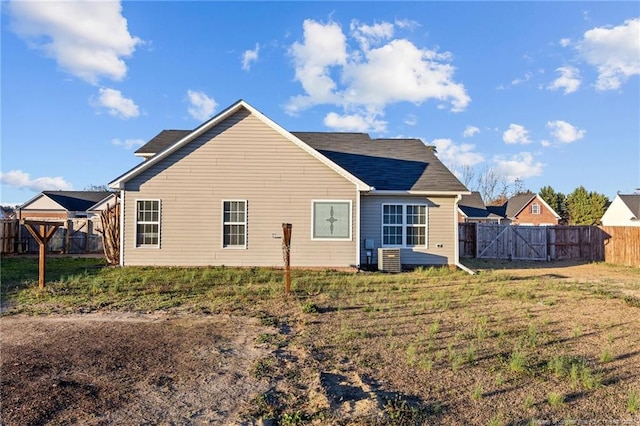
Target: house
column 219, row 194
column 106, row 203
column 623, row 211
column 471, row 209
column 77, row 209
column 61, row 205
column 527, row 209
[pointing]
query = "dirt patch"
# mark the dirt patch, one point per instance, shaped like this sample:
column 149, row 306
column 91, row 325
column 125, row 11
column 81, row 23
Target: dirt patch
column 493, row 348
column 127, row 369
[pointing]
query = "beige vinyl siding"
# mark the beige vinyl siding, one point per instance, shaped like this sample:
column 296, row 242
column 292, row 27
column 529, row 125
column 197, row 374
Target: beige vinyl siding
column 441, row 217
column 43, row 203
column 239, row 159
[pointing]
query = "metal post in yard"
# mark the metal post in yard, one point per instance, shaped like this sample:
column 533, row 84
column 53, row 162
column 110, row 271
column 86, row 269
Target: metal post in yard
column 286, row 254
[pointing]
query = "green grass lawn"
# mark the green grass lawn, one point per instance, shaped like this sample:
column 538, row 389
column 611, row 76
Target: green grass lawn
column 535, row 343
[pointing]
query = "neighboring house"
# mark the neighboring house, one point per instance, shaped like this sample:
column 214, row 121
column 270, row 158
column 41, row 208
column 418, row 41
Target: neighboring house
column 623, row 211
column 61, row 205
column 106, row 203
column 526, row 209
column 219, row 194
column 471, row 209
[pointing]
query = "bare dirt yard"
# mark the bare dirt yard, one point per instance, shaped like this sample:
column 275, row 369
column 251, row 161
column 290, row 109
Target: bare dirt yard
column 514, row 344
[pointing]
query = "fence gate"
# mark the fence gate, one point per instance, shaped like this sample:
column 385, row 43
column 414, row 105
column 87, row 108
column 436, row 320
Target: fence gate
column 511, row 242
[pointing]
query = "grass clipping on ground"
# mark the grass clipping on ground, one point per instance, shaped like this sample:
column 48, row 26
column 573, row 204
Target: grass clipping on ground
column 513, row 344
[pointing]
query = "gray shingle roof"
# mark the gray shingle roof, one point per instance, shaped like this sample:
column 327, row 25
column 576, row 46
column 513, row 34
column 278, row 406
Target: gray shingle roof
column 517, row 203
column 473, row 207
column 161, row 141
column 632, row 201
column 77, row 201
column 386, row 164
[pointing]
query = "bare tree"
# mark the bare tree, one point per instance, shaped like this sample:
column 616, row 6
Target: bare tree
column 467, row 175
column 488, row 181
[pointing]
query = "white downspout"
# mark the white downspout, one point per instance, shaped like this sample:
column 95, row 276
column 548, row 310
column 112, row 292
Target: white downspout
column 122, row 227
column 357, row 228
column 457, row 238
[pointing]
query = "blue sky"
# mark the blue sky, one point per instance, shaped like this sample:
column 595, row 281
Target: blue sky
column 545, row 92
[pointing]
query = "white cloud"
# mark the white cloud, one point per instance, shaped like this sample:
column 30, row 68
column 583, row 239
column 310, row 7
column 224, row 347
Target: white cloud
column 118, row 105
column 202, row 106
column 324, row 47
column 614, row 51
column 456, row 155
column 128, row 143
column 564, row 42
column 516, row 134
column 527, row 77
column 569, row 80
column 378, row 71
column 519, row 166
column 368, row 35
column 250, row 56
column 354, row 123
column 407, row 23
column 87, row 39
column 411, row 120
column 565, row 132
column 20, row 179
column 470, row 131
column 545, row 143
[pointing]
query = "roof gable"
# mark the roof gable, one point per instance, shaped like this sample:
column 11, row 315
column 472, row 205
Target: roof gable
column 78, row 201
column 517, row 203
column 119, row 182
column 632, row 201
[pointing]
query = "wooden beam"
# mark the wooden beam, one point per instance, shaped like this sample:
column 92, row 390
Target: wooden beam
column 286, row 247
column 42, row 236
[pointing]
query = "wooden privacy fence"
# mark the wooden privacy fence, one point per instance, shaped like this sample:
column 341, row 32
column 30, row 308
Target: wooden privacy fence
column 77, row 236
column 623, row 246
column 612, row 244
column 8, row 235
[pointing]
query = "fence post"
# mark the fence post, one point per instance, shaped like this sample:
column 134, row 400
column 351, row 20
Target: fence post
column 286, row 248
column 68, row 228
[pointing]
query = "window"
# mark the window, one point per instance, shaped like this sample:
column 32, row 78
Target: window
column 331, row 220
column 535, row 208
column 147, row 223
column 234, row 224
column 404, row 225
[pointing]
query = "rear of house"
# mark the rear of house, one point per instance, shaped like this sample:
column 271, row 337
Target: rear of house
column 218, row 195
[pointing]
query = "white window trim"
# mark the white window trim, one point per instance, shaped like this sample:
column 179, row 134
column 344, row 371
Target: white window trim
column 245, row 223
column 135, row 239
column 313, row 213
column 404, row 225
column 537, row 208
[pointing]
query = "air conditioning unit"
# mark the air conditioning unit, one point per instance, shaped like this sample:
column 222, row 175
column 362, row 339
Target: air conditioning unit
column 389, row 260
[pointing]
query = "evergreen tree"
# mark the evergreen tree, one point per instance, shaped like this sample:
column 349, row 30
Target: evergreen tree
column 556, row 200
column 586, row 208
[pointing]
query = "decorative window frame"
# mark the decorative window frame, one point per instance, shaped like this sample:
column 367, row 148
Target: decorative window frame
column 535, row 208
column 158, row 222
column 404, row 225
column 245, row 224
column 313, row 221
